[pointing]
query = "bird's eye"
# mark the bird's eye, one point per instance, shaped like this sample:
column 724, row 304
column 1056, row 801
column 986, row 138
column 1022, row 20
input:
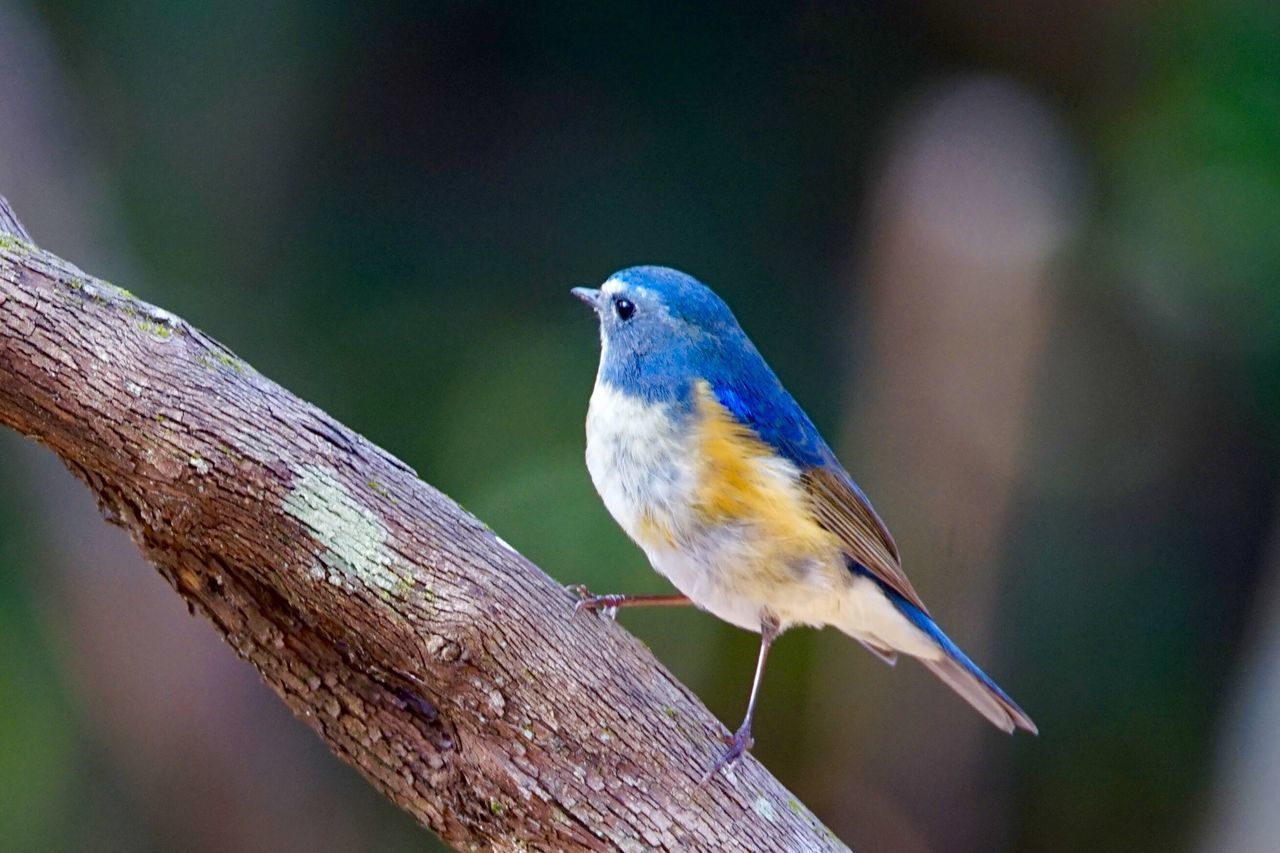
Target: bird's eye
column 625, row 308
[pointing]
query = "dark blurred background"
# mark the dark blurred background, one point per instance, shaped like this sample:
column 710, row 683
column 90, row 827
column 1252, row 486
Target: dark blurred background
column 1020, row 261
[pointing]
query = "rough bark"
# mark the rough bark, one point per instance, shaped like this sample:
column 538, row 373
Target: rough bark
column 421, row 648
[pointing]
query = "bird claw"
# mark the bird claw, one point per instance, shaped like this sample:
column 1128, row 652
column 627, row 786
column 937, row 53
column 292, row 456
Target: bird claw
column 607, row 605
column 739, row 743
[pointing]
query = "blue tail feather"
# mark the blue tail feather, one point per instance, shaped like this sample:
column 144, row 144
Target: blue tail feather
column 958, row 670
column 922, row 621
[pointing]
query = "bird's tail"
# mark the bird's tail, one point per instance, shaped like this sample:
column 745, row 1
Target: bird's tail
column 963, row 675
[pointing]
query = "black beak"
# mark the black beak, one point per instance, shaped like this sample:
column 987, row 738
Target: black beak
column 589, row 295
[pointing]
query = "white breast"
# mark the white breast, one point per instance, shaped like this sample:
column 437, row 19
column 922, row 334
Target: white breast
column 638, row 460
column 642, row 464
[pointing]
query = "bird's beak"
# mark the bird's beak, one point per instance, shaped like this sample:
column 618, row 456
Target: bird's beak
column 589, row 295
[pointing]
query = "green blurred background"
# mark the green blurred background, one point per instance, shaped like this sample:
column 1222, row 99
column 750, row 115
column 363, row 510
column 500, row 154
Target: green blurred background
column 1021, row 262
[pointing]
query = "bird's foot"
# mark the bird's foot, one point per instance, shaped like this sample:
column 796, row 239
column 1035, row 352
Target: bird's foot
column 739, row 744
column 607, row 604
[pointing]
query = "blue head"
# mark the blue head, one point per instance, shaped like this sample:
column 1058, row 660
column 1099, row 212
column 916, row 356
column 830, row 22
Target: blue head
column 661, row 332
column 661, row 329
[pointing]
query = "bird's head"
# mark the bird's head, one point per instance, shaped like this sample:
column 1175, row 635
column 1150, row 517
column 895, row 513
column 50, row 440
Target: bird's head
column 658, row 327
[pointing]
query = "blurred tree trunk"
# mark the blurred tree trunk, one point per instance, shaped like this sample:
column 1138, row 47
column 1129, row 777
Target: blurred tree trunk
column 419, row 646
column 1243, row 817
column 968, row 212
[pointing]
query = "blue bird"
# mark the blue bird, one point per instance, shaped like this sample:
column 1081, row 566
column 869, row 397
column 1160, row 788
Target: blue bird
column 713, row 469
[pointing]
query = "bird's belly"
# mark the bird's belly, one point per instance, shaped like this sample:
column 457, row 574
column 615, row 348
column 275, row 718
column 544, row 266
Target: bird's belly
column 739, row 576
column 645, row 463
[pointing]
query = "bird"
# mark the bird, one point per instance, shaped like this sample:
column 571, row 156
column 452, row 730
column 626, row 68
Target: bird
column 714, row 470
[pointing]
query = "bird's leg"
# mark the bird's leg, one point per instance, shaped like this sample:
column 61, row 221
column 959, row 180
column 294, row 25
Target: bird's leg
column 740, row 742
column 609, row 604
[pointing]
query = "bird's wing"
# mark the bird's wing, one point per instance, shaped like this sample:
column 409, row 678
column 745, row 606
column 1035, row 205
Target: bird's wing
column 842, row 508
column 838, row 504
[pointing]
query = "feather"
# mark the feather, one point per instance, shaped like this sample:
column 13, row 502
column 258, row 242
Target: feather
column 962, row 675
column 889, row 656
column 841, row 508
column 764, row 407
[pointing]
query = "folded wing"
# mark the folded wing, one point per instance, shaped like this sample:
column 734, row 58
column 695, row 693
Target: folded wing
column 841, row 507
column 838, row 504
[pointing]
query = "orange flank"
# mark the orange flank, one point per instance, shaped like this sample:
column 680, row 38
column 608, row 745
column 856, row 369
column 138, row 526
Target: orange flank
column 740, row 479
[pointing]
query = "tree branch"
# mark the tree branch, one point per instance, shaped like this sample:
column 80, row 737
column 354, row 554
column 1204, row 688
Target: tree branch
column 425, row 651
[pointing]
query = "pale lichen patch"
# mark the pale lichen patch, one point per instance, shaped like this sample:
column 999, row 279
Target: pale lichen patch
column 155, row 329
column 354, row 539
column 159, row 315
column 764, row 808
column 12, row 243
